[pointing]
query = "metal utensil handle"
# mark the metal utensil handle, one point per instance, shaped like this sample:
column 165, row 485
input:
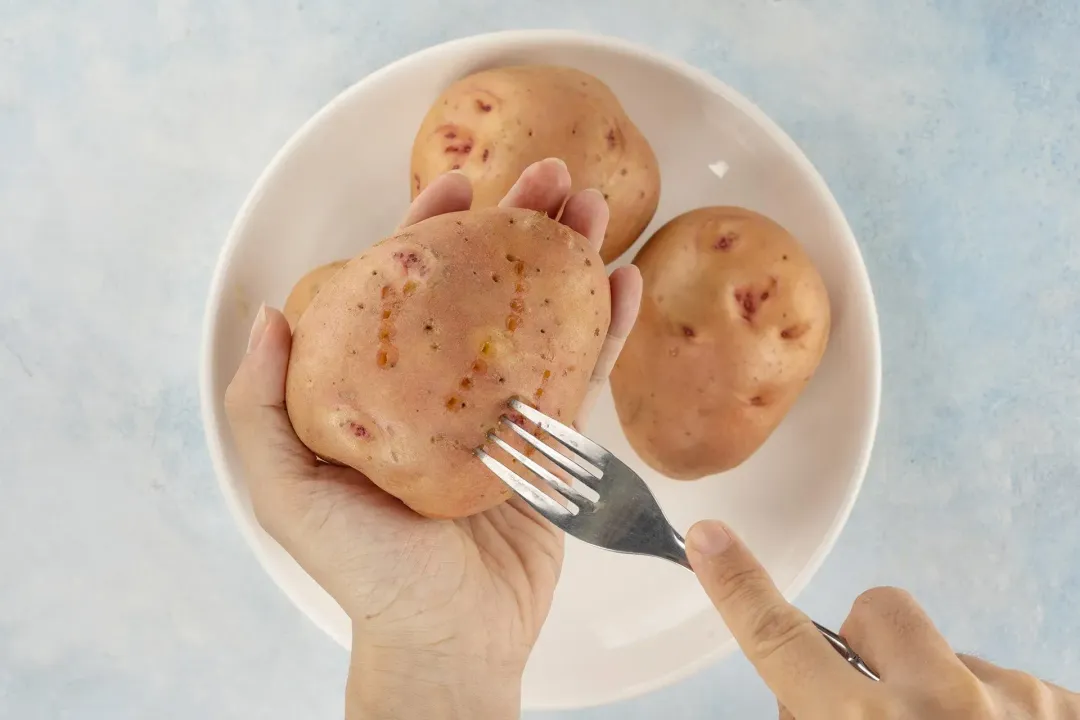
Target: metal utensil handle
column 839, row 644
column 848, row 654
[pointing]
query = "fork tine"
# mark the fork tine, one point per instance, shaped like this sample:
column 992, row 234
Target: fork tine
column 572, row 468
column 546, row 475
column 565, row 434
column 553, row 511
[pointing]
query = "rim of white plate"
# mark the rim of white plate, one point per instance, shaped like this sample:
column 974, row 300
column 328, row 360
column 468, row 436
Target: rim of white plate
column 211, row 393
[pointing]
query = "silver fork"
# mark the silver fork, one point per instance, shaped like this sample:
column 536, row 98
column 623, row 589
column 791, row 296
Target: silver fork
column 626, row 518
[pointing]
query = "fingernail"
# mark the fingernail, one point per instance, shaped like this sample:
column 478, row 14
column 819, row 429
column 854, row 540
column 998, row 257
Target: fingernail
column 709, row 538
column 258, row 329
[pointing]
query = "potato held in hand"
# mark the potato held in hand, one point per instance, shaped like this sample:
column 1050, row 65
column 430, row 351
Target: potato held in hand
column 494, row 124
column 733, row 324
column 408, row 356
column 306, row 289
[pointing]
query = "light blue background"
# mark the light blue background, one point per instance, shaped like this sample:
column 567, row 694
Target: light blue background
column 131, row 130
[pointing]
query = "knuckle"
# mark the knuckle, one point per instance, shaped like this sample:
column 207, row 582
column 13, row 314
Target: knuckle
column 737, row 585
column 880, row 599
column 972, row 696
column 775, row 628
column 878, row 606
column 1031, row 694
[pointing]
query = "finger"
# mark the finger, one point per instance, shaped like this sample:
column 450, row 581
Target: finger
column 894, row 635
column 587, row 213
column 543, row 186
column 1026, row 693
column 274, row 457
column 626, row 288
column 451, row 192
column 804, row 672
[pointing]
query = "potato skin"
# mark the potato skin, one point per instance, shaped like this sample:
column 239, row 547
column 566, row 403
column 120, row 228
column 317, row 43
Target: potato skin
column 733, row 324
column 494, row 124
column 307, row 288
column 408, row 356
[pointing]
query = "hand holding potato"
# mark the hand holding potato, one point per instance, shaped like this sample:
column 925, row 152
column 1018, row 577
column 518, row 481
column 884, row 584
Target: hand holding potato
column 444, row 612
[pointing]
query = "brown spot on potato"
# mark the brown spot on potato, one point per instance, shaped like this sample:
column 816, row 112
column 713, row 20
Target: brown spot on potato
column 596, row 332
column 466, row 383
column 725, row 241
column 794, row 332
column 428, row 327
column 748, row 300
column 479, row 366
column 359, row 430
column 623, row 172
column 409, row 288
column 688, row 331
column 494, row 277
column 457, row 166
column 519, row 268
column 757, row 401
column 453, row 403
column 517, row 305
column 483, row 106
column 611, row 142
column 530, row 132
column 588, row 262
column 416, row 181
column 387, row 357
column 484, row 157
column 512, row 323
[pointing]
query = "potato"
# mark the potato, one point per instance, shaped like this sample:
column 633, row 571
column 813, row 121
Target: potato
column 494, row 124
column 307, row 288
column 408, row 356
column 733, row 324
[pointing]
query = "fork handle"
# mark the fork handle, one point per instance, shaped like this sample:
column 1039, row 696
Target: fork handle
column 678, row 556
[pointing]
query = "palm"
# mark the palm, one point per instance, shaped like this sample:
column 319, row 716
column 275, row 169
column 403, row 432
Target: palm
column 491, row 573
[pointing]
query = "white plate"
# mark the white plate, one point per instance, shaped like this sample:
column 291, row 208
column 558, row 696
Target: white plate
column 620, row 625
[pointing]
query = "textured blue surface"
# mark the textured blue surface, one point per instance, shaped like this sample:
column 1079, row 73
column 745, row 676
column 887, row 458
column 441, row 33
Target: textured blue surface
column 130, row 132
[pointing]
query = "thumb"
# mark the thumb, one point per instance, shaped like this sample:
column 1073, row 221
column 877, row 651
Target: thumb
column 275, row 459
column 785, row 647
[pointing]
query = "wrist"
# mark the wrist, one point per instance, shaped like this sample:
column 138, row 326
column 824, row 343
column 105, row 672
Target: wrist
column 393, row 683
